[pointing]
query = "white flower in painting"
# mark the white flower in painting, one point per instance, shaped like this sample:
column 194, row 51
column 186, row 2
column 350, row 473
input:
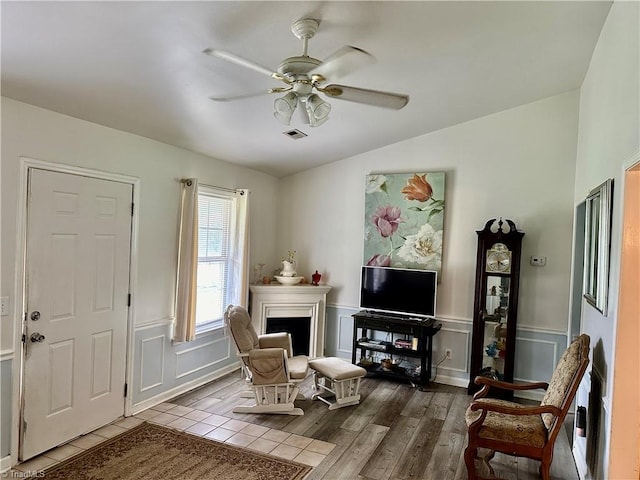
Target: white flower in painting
column 376, row 183
column 367, row 233
column 424, row 248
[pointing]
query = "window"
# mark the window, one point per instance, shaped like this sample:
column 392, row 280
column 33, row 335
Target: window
column 216, row 219
column 213, row 248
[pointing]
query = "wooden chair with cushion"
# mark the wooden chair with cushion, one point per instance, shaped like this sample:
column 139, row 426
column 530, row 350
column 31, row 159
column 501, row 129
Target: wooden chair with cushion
column 272, row 372
column 520, row 430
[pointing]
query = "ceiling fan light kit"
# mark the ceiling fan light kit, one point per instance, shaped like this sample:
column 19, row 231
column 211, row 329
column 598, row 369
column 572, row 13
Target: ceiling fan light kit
column 284, row 107
column 317, row 109
column 304, row 75
column 314, row 110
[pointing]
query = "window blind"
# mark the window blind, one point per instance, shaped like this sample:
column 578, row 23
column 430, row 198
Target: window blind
column 214, row 240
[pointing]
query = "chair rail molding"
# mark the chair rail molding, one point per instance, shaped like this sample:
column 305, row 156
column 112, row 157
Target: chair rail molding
column 6, row 354
column 159, row 322
column 537, row 348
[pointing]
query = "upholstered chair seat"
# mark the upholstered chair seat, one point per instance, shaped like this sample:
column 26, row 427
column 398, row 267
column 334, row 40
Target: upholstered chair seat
column 522, row 429
column 298, row 367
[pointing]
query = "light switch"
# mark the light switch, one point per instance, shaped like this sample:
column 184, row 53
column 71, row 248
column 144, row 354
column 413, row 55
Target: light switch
column 538, row 261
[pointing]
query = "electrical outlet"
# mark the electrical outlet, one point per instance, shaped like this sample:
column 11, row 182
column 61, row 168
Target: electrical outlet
column 447, row 353
column 4, row 306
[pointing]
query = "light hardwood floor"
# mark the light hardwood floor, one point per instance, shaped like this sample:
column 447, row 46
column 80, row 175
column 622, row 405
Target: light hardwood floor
column 396, row 432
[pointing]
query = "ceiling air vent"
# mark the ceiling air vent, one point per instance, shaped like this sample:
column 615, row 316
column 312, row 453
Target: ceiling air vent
column 295, row 134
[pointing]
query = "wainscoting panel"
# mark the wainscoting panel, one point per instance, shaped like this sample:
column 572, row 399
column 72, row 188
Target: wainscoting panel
column 162, row 369
column 5, row 406
column 152, row 362
column 545, row 353
column 580, row 443
column 338, row 331
column 202, row 357
column 537, row 354
column 345, row 336
column 455, row 334
column 459, row 341
column 537, row 351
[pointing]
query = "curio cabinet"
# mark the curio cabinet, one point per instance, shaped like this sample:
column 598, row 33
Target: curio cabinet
column 495, row 309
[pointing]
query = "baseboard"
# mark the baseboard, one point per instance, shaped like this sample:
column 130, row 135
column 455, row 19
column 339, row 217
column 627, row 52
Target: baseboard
column 578, row 457
column 180, row 389
column 453, row 381
column 464, row 383
column 5, row 463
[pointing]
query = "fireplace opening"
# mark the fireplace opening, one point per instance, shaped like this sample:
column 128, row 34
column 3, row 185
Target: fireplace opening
column 298, row 327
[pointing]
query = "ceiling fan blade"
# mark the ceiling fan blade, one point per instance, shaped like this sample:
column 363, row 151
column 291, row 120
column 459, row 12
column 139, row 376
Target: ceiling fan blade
column 239, row 97
column 369, row 97
column 250, row 95
column 242, row 62
column 342, row 62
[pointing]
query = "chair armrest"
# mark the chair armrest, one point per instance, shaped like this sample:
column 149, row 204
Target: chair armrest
column 525, row 410
column 276, row 340
column 487, row 383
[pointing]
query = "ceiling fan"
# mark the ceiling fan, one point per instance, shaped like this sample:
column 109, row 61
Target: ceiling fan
column 305, row 75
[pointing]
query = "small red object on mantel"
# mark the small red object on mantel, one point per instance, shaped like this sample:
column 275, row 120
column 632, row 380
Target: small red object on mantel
column 315, row 278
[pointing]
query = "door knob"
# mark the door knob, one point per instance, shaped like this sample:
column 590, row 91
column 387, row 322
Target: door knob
column 35, row 316
column 36, row 337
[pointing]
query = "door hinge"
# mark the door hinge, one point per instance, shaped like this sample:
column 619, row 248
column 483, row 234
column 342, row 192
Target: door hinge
column 128, row 300
column 125, row 390
column 132, row 205
column 24, row 426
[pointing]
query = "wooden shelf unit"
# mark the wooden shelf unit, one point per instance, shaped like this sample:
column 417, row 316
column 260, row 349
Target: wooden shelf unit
column 421, row 329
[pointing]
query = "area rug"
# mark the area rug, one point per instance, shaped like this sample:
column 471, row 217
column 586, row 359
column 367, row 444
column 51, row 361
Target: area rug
column 153, row 452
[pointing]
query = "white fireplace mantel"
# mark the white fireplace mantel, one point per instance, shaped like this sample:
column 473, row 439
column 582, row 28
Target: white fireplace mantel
column 278, row 301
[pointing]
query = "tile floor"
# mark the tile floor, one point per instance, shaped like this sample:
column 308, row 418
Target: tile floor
column 196, row 422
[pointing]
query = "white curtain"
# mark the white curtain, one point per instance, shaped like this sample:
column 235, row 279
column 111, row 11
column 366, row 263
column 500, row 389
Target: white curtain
column 239, row 277
column 187, row 281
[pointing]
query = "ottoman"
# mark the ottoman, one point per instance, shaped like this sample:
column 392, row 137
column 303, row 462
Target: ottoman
column 340, row 378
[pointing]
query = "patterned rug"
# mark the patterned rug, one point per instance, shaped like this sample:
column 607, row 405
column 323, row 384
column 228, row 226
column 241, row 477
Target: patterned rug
column 152, row 452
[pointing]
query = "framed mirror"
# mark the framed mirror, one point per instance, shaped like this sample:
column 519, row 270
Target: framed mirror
column 596, row 245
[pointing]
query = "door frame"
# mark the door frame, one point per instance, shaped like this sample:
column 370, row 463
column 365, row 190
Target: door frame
column 615, row 421
column 19, row 281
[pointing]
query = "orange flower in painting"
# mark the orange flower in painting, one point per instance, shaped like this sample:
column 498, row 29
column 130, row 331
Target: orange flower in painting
column 418, row 188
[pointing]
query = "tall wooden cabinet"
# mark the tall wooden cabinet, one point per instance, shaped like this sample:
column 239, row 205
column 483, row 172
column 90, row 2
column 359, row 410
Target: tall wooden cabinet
column 495, row 309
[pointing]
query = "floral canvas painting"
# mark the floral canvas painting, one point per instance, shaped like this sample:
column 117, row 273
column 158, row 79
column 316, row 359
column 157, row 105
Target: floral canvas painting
column 404, row 220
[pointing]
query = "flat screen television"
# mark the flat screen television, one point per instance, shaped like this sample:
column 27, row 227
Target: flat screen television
column 399, row 291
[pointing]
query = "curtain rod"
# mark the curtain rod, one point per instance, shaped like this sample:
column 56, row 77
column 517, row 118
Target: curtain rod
column 234, row 190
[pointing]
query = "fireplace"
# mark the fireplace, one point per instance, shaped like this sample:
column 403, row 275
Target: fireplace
column 298, row 327
column 297, row 309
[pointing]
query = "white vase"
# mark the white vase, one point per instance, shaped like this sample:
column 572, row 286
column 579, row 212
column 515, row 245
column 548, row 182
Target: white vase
column 287, row 269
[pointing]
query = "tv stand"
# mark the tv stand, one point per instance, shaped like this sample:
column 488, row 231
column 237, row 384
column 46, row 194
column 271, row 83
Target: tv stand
column 418, row 331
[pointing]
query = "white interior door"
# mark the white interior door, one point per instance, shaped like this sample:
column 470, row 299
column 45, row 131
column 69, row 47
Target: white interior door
column 77, row 265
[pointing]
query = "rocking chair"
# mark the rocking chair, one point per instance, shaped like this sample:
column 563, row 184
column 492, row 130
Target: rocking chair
column 521, row 430
column 272, row 373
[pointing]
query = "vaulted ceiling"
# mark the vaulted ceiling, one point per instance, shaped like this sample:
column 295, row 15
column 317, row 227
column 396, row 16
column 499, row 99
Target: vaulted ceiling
column 139, row 67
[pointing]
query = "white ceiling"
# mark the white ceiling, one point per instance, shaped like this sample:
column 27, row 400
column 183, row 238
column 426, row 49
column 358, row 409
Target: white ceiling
column 139, row 67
